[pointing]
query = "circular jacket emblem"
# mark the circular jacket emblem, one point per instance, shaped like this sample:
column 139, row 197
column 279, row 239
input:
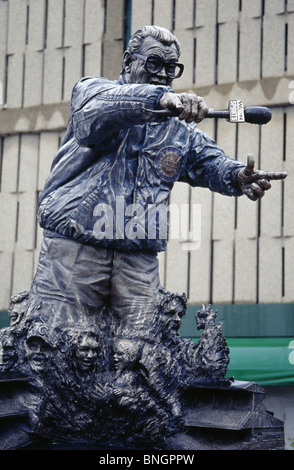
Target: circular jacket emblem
column 168, row 163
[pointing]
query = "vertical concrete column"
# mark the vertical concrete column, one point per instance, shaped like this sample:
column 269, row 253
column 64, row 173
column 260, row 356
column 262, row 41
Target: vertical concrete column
column 113, row 39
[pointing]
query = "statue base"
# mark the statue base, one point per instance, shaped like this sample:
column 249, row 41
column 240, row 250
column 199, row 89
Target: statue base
column 86, row 383
column 216, row 417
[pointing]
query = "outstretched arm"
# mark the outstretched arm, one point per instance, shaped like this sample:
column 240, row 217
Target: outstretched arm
column 100, row 107
column 253, row 183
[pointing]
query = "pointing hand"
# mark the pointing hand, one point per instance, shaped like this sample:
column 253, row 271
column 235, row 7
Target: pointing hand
column 254, row 183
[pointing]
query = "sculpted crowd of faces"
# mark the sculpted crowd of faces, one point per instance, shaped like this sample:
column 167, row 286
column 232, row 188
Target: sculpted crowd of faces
column 85, row 353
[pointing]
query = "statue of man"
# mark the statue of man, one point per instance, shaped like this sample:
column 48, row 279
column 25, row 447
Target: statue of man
column 102, row 207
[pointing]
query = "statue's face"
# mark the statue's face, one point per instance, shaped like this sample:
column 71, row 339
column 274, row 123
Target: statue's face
column 16, row 313
column 125, row 353
column 151, row 47
column 86, row 355
column 173, row 317
column 8, row 354
column 38, row 354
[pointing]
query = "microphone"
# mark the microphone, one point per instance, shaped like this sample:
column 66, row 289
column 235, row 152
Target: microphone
column 252, row 115
column 236, row 113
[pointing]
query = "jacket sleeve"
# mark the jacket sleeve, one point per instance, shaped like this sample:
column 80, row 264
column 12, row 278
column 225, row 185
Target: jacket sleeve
column 100, row 108
column 208, row 166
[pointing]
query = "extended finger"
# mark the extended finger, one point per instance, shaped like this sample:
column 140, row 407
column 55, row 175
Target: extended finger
column 250, row 165
column 274, row 175
column 258, row 175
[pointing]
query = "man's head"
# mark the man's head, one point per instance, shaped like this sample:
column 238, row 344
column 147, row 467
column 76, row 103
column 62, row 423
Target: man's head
column 172, row 308
column 87, row 352
column 152, row 57
column 126, row 353
column 18, row 307
column 39, row 347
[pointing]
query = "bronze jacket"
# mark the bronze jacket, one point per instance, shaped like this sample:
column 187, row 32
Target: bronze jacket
column 111, row 179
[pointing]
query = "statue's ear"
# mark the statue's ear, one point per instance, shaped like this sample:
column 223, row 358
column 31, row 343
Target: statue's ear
column 126, row 60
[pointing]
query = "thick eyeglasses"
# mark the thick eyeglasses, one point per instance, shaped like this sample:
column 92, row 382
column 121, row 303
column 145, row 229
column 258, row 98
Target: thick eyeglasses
column 154, row 64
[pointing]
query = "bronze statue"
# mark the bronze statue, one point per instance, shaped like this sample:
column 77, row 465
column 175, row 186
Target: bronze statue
column 96, row 312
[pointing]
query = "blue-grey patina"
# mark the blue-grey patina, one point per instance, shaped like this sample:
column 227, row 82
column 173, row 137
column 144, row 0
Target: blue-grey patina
column 115, row 147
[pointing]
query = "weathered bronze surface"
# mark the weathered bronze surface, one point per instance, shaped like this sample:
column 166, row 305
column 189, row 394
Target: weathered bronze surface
column 93, row 350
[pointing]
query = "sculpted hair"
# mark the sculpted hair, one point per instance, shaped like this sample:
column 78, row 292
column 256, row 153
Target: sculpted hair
column 157, row 32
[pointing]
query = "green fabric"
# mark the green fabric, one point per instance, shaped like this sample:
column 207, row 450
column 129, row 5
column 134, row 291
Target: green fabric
column 266, row 361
